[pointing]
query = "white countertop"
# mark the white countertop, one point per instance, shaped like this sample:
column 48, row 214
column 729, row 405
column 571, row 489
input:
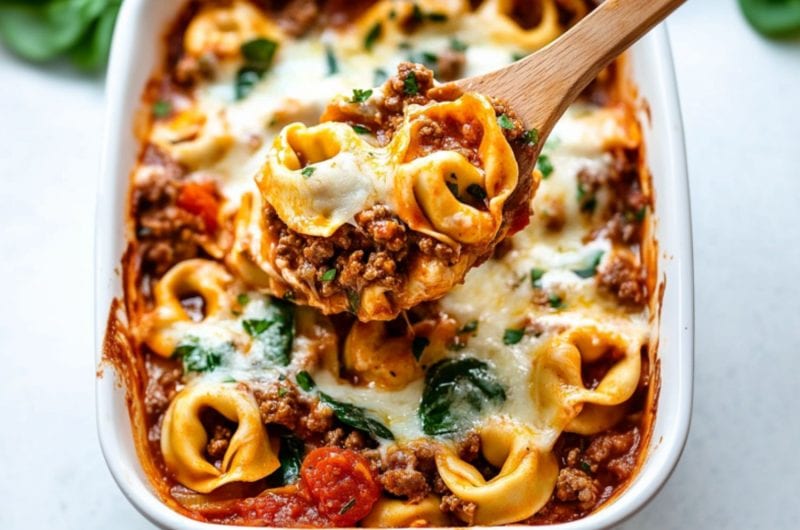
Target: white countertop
column 741, row 106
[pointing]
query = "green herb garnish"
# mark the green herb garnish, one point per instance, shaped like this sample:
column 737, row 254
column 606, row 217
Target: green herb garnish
column 274, row 332
column 356, row 417
column 308, row 171
column 457, row 45
column 360, row 129
column 555, row 301
column 591, row 269
column 258, row 55
column 242, row 299
column 329, row 275
column 331, row 61
column 347, row 506
column 291, row 453
column 516, row 56
column 304, row 380
column 410, row 86
column 456, row 391
column 531, row 136
column 536, row 277
column 505, row 122
column 197, row 358
column 512, row 336
column 372, row 36
column 360, row 96
column 353, row 301
column 545, row 165
column 469, row 327
column 162, row 108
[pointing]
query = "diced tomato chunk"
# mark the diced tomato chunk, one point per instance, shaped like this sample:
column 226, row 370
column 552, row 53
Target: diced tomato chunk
column 342, row 484
column 285, row 510
column 201, row 199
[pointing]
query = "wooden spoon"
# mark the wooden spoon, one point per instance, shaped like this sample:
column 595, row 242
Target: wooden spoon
column 540, row 87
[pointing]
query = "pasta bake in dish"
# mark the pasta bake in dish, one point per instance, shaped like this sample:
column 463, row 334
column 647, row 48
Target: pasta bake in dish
column 338, row 308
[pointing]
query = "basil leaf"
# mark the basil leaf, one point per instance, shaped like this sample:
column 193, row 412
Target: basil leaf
column 456, row 391
column 356, row 417
column 555, row 301
column 197, row 358
column 591, row 269
column 275, row 332
column 773, row 18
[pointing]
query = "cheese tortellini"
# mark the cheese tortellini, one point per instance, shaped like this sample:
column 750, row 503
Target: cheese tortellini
column 523, row 485
column 222, row 29
column 496, row 17
column 558, row 386
column 162, row 328
column 249, row 456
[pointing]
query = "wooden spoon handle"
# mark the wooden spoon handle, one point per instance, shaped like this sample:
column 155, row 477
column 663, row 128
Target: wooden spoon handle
column 541, row 86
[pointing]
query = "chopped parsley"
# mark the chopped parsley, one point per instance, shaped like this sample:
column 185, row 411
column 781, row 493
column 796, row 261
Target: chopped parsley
column 331, row 61
column 275, row 332
column 304, row 380
column 360, row 96
column 360, row 129
column 531, row 136
column 586, row 467
column 505, row 122
column 516, row 56
column 536, row 276
column 457, row 45
column 329, row 275
column 477, row 192
column 555, row 301
column 242, row 299
column 410, row 86
column 347, row 506
column 197, row 358
column 512, row 336
column 469, row 327
column 418, row 346
column 372, row 36
column 162, row 108
column 282, row 391
column 545, row 165
column 308, row 171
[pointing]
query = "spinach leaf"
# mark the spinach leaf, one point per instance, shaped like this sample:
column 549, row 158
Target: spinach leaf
column 456, row 390
column 275, row 332
column 356, row 417
column 591, row 269
column 305, row 381
column 258, row 55
column 198, row 358
column 291, row 455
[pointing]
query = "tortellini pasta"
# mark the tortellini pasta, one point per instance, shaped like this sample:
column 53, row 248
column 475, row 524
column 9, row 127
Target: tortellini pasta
column 496, row 17
column 222, row 29
column 375, row 358
column 425, row 181
column 523, row 485
column 159, row 328
column 194, row 138
column 395, row 513
column 249, row 455
column 557, row 385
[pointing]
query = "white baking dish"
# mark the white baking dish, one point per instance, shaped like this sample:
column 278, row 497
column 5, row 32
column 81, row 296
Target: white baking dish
column 136, row 53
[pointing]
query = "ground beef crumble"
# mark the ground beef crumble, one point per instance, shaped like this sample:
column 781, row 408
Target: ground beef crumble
column 625, row 279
